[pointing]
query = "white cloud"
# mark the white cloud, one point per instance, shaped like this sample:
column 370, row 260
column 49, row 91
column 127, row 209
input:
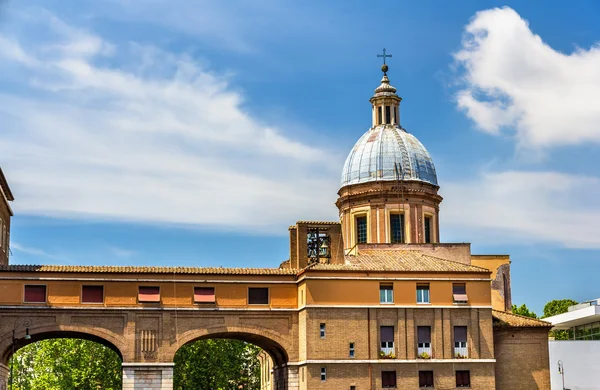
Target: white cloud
column 524, row 207
column 513, row 80
column 36, row 253
column 97, row 130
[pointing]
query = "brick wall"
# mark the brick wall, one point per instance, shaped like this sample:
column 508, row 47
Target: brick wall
column 522, row 359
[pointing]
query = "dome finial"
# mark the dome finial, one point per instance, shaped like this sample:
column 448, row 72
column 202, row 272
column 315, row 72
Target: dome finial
column 384, row 67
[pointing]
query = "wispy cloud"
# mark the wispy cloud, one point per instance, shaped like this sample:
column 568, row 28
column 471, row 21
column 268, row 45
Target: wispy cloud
column 36, row 253
column 97, row 130
column 524, row 207
column 122, row 253
column 515, row 81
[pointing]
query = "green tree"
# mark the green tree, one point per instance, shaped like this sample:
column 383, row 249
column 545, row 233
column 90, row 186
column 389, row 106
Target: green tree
column 217, row 365
column 555, row 307
column 523, row 311
column 66, row 364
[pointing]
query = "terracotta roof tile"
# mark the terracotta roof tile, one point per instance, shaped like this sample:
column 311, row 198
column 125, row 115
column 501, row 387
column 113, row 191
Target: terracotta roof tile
column 398, row 260
column 149, row 270
column 504, row 319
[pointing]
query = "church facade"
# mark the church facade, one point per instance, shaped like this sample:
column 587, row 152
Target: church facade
column 372, row 301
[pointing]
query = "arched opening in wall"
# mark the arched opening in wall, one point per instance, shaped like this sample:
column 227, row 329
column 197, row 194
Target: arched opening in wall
column 230, row 361
column 63, row 360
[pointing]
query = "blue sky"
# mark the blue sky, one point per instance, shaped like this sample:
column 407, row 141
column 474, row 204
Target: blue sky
column 194, row 132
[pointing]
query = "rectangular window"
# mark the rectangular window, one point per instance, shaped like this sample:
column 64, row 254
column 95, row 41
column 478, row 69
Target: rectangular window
column 380, row 115
column 351, row 350
column 148, row 294
column 397, row 228
column 463, row 378
column 460, row 341
column 424, row 340
column 387, row 340
column 258, row 295
column 427, row 229
column 322, row 331
column 352, row 387
column 35, row 293
column 386, row 293
column 388, row 379
column 92, row 294
column 361, row 230
column 388, row 114
column 395, row 115
column 323, row 374
column 425, row 378
column 423, row 293
column 459, row 293
column 204, row 295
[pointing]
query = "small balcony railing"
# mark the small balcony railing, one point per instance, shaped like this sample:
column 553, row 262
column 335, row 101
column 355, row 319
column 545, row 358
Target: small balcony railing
column 460, row 352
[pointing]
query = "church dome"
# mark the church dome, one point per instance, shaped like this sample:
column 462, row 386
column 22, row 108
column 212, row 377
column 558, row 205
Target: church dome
column 387, row 153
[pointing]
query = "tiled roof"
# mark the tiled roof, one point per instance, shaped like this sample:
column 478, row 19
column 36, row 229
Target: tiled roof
column 504, row 319
column 148, row 270
column 399, row 260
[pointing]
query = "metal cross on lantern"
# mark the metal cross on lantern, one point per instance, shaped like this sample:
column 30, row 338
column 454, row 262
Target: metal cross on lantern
column 384, row 56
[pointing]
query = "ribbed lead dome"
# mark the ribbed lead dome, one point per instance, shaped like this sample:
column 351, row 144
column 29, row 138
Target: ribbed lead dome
column 384, row 150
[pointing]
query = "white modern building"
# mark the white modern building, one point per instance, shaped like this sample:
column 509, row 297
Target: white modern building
column 579, row 358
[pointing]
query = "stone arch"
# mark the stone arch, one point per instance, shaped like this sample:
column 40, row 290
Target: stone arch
column 39, row 332
column 272, row 342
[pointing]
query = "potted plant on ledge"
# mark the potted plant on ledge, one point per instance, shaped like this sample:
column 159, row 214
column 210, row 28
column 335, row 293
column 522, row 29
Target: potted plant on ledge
column 424, row 355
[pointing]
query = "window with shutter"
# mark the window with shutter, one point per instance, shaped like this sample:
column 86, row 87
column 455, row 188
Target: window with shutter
column 425, row 378
column 35, row 293
column 388, row 379
column 463, row 378
column 204, row 295
column 459, row 292
column 92, row 294
column 460, row 341
column 387, row 340
column 149, row 294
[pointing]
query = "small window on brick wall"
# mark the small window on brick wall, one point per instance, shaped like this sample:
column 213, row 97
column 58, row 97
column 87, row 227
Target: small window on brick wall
column 351, row 350
column 463, row 378
column 323, row 374
column 258, row 295
column 92, row 294
column 150, row 294
column 425, row 378
column 322, row 331
column 388, row 379
column 204, row 294
column 35, row 293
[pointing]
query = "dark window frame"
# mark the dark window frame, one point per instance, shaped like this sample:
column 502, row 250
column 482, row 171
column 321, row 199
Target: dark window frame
column 359, row 236
column 388, row 115
column 426, row 378
column 427, row 236
column 35, row 285
column 389, row 379
column 92, row 286
column 397, row 237
column 262, row 302
column 322, row 330
column 463, row 378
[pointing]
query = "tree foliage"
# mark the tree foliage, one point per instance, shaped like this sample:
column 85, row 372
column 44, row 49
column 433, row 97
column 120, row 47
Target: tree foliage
column 555, row 307
column 217, row 365
column 66, row 364
column 523, row 311
column 69, row 364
